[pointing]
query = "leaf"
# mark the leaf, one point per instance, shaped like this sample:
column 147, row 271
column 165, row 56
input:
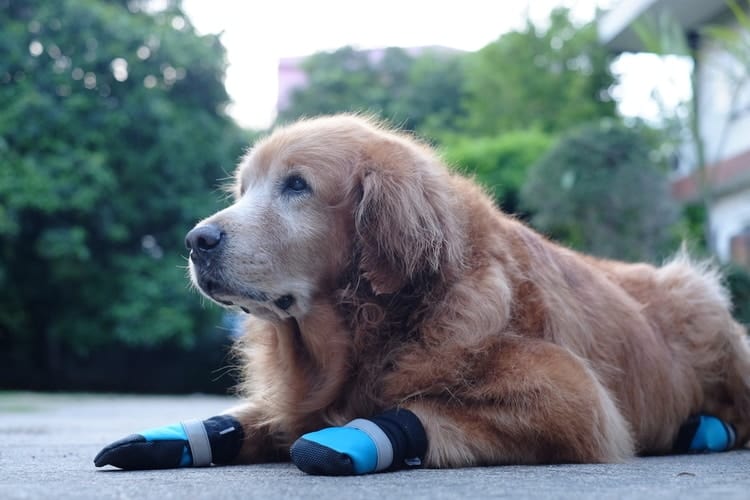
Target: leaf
column 739, row 14
column 91, row 164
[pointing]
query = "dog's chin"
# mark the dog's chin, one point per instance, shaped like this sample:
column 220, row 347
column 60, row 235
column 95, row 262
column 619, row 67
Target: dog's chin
column 272, row 307
column 270, row 311
column 247, row 299
column 267, row 312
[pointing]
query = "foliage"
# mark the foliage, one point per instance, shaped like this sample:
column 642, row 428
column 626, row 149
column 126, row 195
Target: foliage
column 113, row 135
column 733, row 41
column 545, row 79
column 549, row 79
column 343, row 80
column 600, row 190
column 413, row 91
column 738, row 283
column 500, row 163
column 691, row 227
column 431, row 102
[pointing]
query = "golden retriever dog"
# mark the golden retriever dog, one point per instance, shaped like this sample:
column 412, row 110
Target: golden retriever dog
column 377, row 278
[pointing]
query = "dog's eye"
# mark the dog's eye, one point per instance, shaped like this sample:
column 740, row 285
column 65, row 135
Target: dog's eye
column 294, row 184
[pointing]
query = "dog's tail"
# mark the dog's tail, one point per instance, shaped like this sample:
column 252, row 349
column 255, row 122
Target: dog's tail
column 697, row 283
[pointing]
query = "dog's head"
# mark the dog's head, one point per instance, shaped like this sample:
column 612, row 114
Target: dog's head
column 315, row 195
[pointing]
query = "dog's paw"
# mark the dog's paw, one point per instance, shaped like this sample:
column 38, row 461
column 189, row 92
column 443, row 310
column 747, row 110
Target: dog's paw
column 188, row 444
column 389, row 441
column 704, row 434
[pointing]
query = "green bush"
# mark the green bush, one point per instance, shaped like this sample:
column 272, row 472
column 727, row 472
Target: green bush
column 738, row 282
column 602, row 190
column 499, row 163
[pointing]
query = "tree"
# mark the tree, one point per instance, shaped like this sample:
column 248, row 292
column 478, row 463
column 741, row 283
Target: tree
column 417, row 92
column 549, row 79
column 499, row 163
column 600, row 191
column 343, row 80
column 432, row 100
column 113, row 135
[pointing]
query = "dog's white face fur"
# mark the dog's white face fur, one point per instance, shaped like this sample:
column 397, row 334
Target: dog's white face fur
column 291, row 210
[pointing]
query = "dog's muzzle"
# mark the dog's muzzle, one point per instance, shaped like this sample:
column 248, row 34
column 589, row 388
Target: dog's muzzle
column 204, row 243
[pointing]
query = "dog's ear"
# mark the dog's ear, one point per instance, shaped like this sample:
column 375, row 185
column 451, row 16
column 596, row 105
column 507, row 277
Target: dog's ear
column 406, row 222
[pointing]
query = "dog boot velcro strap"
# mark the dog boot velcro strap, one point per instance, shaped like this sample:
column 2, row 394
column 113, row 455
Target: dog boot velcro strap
column 406, row 434
column 704, row 434
column 225, row 436
column 194, row 443
column 392, row 440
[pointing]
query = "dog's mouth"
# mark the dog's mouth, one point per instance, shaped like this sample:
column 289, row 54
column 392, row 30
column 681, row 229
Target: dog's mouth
column 244, row 297
column 218, row 291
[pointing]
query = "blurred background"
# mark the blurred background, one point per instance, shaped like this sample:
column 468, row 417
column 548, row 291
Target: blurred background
column 618, row 127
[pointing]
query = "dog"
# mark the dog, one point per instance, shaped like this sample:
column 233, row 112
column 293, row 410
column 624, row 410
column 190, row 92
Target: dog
column 376, row 277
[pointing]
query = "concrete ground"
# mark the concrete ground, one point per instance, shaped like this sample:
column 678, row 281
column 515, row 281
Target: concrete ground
column 48, row 442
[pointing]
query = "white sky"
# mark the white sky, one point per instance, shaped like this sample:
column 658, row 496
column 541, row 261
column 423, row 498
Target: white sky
column 257, row 34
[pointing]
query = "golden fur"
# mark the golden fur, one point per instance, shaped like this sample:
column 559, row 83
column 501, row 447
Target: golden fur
column 413, row 290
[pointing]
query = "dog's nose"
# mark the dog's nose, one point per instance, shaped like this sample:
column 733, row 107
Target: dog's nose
column 202, row 240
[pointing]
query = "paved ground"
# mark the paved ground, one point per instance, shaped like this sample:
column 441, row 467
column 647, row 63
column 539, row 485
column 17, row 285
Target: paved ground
column 47, row 443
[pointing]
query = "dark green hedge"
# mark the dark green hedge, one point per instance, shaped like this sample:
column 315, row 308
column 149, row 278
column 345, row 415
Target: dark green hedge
column 738, row 282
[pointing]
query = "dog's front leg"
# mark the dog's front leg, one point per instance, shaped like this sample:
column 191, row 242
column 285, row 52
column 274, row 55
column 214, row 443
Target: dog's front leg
column 263, row 439
column 239, row 436
column 394, row 439
column 194, row 443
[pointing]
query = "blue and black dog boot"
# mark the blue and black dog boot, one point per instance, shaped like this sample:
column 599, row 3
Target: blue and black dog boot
column 390, row 441
column 195, row 443
column 704, row 434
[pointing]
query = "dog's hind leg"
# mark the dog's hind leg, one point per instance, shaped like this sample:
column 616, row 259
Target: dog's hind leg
column 538, row 404
column 727, row 391
column 710, row 349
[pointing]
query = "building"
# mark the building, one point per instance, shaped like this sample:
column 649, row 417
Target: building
column 724, row 110
column 291, row 77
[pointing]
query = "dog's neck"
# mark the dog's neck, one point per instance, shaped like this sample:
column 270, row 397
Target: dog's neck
column 345, row 338
column 359, row 305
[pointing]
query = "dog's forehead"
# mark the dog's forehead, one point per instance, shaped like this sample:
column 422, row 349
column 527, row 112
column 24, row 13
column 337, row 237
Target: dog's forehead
column 330, row 173
column 322, row 151
column 260, row 162
column 255, row 163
